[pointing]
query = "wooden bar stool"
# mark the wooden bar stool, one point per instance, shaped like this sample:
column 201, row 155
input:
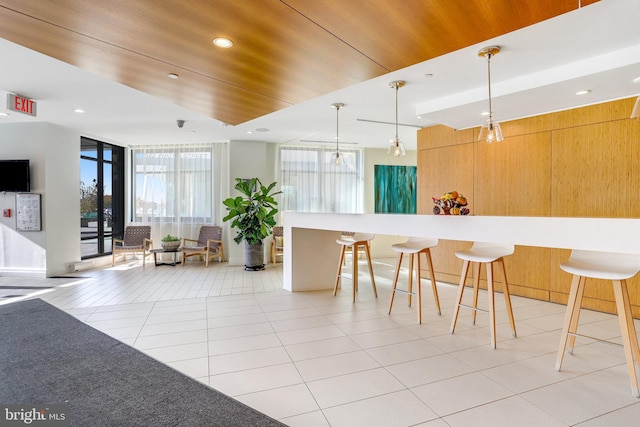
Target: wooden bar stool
column 484, row 253
column 415, row 246
column 607, row 266
column 355, row 242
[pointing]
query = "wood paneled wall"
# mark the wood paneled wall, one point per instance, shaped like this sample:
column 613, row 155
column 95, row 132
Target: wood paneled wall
column 577, row 163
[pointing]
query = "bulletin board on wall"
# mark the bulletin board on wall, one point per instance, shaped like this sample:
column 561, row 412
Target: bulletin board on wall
column 28, row 212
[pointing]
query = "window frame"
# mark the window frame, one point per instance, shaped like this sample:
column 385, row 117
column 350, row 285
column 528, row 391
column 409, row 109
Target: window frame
column 172, row 194
column 118, row 181
column 326, row 176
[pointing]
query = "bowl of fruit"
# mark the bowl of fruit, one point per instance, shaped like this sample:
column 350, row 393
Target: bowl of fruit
column 451, row 203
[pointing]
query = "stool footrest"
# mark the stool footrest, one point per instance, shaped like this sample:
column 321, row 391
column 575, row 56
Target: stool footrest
column 573, row 334
column 470, row 307
column 404, row 291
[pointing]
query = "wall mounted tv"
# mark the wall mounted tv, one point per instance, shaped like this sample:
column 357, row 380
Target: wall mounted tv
column 14, row 176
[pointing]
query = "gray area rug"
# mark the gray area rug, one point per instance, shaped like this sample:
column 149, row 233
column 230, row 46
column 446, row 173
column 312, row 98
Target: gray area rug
column 50, row 357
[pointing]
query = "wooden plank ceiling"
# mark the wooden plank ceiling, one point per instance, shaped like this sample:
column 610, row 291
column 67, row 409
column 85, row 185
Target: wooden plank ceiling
column 285, row 52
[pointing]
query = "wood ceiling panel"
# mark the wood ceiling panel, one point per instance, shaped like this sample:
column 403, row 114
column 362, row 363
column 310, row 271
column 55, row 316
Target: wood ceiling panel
column 397, row 34
column 285, row 51
column 227, row 103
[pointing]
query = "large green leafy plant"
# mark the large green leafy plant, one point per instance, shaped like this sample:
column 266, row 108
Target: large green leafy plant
column 253, row 213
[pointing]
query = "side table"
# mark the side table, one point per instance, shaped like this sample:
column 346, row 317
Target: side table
column 176, row 258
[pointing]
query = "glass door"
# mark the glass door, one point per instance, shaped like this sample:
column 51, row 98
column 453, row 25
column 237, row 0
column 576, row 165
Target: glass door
column 101, row 196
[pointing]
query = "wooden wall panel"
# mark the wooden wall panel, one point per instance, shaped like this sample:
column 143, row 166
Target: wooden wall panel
column 446, row 166
column 596, row 170
column 583, row 163
column 446, row 265
column 525, row 272
column 513, row 177
column 444, row 169
column 598, row 294
column 598, row 113
column 442, row 136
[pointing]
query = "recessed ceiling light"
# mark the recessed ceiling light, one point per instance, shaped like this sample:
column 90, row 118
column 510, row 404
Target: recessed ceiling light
column 418, row 117
column 78, row 110
column 249, row 131
column 173, row 76
column 583, row 92
column 222, row 42
column 484, row 113
column 4, row 114
column 428, row 76
column 636, row 80
column 262, row 130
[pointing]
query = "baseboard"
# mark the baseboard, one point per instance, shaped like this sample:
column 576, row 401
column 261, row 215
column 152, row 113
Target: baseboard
column 236, row 261
column 88, row 264
column 27, row 273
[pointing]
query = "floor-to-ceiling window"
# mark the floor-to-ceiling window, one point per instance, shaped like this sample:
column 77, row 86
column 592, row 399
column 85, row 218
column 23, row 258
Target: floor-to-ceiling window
column 177, row 188
column 101, row 196
column 311, row 181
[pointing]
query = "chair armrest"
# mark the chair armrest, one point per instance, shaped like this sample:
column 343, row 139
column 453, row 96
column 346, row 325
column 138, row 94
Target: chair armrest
column 214, row 241
column 274, row 242
column 116, row 241
column 148, row 244
column 185, row 240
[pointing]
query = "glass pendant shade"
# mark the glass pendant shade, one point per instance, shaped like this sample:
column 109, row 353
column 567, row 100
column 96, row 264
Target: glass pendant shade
column 396, row 148
column 491, row 132
column 635, row 114
column 336, row 158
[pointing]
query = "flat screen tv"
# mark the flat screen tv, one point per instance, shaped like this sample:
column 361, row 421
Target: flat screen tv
column 14, row 176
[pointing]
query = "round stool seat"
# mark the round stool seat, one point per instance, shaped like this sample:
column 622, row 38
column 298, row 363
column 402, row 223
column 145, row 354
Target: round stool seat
column 414, row 245
column 355, row 242
column 617, row 268
column 485, row 252
column 602, row 265
column 356, row 238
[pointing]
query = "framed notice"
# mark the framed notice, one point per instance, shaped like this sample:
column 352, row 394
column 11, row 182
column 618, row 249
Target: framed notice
column 28, row 212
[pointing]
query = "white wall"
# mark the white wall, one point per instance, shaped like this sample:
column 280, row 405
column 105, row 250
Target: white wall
column 54, row 154
column 381, row 245
column 248, row 160
column 62, row 201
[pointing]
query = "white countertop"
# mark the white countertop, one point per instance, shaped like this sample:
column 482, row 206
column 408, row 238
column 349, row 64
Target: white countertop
column 310, row 257
column 602, row 234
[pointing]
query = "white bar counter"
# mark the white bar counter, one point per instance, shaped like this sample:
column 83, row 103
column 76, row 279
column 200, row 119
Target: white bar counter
column 311, row 255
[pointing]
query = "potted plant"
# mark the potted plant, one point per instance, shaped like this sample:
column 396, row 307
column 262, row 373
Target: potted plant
column 253, row 215
column 170, row 243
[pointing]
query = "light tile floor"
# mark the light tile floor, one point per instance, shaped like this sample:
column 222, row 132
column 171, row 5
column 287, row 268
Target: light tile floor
column 312, row 359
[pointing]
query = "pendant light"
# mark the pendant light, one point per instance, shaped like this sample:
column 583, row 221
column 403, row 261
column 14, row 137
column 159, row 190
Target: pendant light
column 336, row 157
column 491, row 132
column 635, row 114
column 396, row 147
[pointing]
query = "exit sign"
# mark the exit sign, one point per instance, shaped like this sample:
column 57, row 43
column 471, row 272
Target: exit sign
column 21, row 105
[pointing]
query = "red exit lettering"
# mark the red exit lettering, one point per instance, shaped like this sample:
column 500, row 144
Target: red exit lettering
column 21, row 104
column 24, row 105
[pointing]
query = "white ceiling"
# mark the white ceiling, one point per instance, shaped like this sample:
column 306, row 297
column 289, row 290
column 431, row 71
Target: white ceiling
column 538, row 70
